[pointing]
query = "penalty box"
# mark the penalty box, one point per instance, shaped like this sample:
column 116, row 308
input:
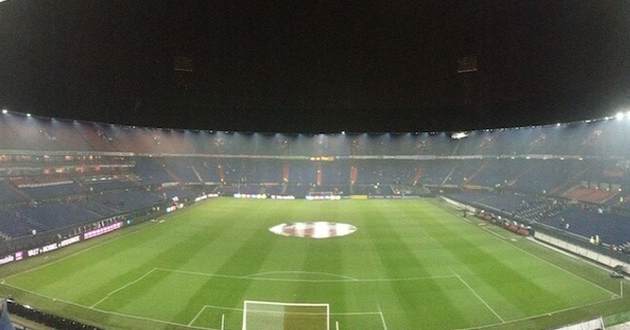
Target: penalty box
column 266, row 315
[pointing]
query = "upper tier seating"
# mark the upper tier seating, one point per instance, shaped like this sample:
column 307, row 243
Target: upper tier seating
column 125, row 201
column 152, row 171
column 52, row 191
column 110, row 185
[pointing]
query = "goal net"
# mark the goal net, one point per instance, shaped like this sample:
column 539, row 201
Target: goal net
column 265, row 315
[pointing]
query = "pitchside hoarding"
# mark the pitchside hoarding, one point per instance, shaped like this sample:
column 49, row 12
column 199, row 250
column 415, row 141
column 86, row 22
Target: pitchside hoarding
column 19, row 255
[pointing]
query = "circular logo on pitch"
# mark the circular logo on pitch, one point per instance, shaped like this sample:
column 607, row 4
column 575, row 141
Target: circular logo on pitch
column 313, row 229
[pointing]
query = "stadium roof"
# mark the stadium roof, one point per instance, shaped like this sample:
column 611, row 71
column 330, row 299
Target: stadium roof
column 325, row 66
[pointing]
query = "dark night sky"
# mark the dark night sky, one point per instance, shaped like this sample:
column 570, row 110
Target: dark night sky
column 316, row 66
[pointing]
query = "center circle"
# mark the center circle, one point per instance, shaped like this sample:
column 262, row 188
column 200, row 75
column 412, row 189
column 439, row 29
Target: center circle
column 313, row 229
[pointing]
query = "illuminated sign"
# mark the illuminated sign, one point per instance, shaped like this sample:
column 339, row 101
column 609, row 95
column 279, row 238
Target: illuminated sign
column 50, row 247
column 7, row 259
column 69, row 241
column 102, row 230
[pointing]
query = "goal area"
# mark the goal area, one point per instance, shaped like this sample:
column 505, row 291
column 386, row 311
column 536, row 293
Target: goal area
column 266, row 315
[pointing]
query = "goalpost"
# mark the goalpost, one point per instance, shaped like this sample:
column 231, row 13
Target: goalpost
column 266, row 315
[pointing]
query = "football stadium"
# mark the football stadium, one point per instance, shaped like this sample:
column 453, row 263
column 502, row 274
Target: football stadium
column 125, row 227
column 314, row 165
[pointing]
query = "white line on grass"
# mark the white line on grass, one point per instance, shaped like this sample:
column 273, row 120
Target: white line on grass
column 197, row 316
column 272, row 279
column 493, row 232
column 153, row 320
column 565, row 270
column 236, row 309
column 540, row 315
column 107, row 312
column 302, row 272
column 276, row 303
column 52, row 262
column 124, row 287
column 552, row 264
column 480, row 298
column 380, row 312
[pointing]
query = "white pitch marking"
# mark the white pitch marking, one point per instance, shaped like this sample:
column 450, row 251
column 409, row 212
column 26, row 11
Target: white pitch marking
column 540, row 315
column 124, row 287
column 105, row 242
column 242, row 309
column 494, row 233
column 107, row 312
column 380, row 312
column 336, row 325
column 244, row 315
column 222, row 321
column 302, row 272
column 197, row 316
column 272, row 279
column 552, row 264
column 566, row 271
column 275, row 303
column 480, row 298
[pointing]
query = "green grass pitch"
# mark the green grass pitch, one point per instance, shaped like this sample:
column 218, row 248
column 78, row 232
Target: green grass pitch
column 412, row 264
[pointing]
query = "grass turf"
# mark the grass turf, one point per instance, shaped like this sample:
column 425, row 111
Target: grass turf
column 412, row 264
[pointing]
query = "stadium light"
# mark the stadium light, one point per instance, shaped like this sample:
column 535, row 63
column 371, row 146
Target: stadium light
column 619, row 115
column 28, row 115
column 5, row 111
column 558, row 125
column 459, row 135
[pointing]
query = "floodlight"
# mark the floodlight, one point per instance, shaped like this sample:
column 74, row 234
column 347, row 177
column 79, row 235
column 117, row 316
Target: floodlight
column 459, row 135
column 558, row 125
column 5, row 111
column 619, row 115
column 28, row 115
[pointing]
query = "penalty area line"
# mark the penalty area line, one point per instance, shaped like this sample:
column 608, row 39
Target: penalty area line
column 131, row 316
column 123, row 287
column 197, row 315
column 479, row 297
column 237, row 309
column 380, row 313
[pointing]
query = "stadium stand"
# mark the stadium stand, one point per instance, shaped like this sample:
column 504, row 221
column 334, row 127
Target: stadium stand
column 52, row 190
column 590, row 195
column 72, row 173
column 8, row 194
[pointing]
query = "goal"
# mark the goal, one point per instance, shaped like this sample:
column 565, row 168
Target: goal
column 266, row 315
